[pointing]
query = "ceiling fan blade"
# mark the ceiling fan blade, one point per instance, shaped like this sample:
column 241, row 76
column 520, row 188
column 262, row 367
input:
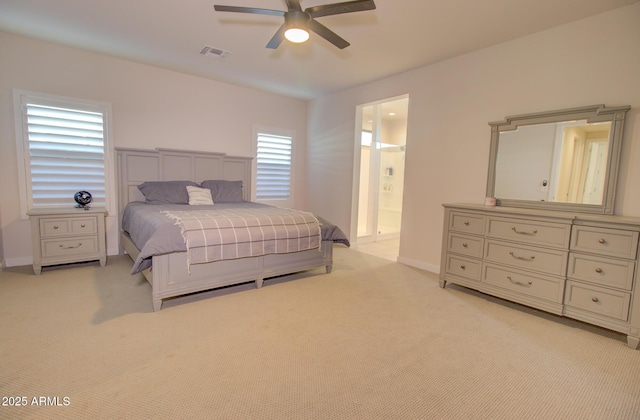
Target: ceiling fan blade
column 293, row 5
column 254, row 10
column 327, row 34
column 339, row 8
column 277, row 38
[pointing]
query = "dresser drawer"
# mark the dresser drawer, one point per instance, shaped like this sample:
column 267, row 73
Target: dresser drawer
column 529, row 231
column 81, row 245
column 463, row 267
column 547, row 261
column 466, row 222
column 603, row 271
column 599, row 300
column 613, row 242
column 543, row 287
column 467, row 245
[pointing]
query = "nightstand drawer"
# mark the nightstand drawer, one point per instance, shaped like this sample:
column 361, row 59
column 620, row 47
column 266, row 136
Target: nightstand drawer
column 80, row 245
column 598, row 300
column 463, row 267
column 54, row 227
column 613, row 242
column 548, row 288
column 603, row 271
column 529, row 231
column 472, row 246
column 69, row 226
column 85, row 225
column 467, row 222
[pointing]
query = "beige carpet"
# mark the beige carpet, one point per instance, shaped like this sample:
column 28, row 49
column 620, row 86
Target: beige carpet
column 372, row 340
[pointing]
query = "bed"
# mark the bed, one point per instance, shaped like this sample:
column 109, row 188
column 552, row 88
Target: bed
column 171, row 266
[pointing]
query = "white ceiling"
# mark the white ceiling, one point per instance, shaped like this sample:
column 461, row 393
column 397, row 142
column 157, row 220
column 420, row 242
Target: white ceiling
column 396, row 37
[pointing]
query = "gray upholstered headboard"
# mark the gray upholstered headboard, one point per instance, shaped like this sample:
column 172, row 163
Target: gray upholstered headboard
column 136, row 166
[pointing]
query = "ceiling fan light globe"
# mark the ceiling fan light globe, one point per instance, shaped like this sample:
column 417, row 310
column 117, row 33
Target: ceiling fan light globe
column 296, row 35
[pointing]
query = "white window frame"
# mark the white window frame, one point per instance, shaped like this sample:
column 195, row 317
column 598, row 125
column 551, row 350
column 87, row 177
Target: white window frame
column 20, row 99
column 288, row 203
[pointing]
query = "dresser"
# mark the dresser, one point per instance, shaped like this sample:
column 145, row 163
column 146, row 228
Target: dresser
column 67, row 235
column 581, row 266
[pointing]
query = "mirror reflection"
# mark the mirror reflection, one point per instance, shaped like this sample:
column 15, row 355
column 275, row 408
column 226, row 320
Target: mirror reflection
column 565, row 159
column 567, row 165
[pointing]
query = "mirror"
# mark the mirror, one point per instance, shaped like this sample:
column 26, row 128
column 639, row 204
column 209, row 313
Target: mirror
column 559, row 160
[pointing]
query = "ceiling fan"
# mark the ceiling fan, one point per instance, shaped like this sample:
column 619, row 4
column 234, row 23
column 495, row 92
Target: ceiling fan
column 298, row 22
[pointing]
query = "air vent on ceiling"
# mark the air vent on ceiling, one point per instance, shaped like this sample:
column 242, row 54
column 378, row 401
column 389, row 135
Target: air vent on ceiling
column 214, row 52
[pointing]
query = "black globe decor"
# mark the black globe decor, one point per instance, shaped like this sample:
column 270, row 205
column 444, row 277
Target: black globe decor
column 83, row 198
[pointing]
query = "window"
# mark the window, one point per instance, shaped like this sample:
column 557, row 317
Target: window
column 62, row 149
column 273, row 167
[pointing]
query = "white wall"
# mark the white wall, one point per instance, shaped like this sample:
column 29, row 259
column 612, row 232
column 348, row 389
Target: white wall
column 152, row 107
column 1, row 244
column 592, row 61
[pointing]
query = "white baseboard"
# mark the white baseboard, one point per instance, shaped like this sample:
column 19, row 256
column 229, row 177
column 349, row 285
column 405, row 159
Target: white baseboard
column 16, row 262
column 419, row 264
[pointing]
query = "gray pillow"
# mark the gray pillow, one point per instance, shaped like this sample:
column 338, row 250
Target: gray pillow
column 224, row 191
column 166, row 192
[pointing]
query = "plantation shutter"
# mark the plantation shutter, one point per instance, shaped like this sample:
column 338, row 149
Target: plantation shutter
column 273, row 173
column 65, row 154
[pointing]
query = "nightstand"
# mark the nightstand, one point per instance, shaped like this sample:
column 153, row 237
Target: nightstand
column 67, row 235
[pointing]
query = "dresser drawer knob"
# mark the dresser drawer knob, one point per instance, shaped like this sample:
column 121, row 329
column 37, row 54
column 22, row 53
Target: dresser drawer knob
column 522, row 232
column 55, row 227
column 518, row 257
column 595, row 299
column 463, row 266
column 464, row 245
column 519, row 283
column 601, row 241
column 466, row 223
column 82, row 226
column 598, row 270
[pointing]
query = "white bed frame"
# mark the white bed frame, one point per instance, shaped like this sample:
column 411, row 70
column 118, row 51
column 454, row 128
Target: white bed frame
column 168, row 274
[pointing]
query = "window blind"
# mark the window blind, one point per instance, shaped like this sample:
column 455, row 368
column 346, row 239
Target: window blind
column 66, row 154
column 273, row 172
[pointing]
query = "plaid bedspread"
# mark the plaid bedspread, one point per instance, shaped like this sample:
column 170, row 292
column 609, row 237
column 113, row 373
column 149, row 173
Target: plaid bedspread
column 213, row 235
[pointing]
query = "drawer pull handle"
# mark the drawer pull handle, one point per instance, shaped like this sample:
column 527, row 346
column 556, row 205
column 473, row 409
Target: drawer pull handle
column 464, row 245
column 463, row 266
column 521, row 232
column 595, row 299
column 83, row 226
column 598, row 270
column 517, row 257
column 71, row 247
column 55, row 227
column 602, row 241
column 519, row 283
column 466, row 223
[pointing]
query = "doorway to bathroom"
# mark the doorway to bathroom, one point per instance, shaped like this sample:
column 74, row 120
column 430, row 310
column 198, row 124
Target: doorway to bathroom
column 379, row 175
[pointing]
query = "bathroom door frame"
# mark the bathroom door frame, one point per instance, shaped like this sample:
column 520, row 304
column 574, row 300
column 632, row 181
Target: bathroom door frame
column 373, row 184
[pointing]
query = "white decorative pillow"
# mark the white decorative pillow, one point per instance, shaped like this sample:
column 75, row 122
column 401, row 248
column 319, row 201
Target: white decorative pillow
column 199, row 196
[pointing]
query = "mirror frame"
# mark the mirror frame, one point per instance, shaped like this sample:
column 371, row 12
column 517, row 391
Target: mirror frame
column 594, row 113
